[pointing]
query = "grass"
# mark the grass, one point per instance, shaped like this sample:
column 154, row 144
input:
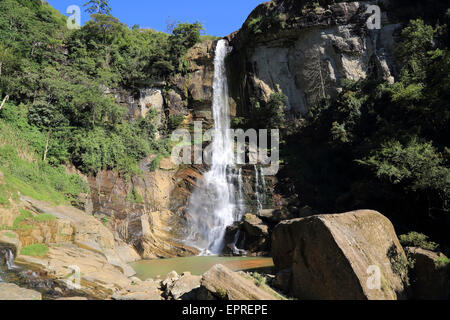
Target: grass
column 10, row 235
column 44, row 217
column 24, row 215
column 35, row 250
column 26, row 174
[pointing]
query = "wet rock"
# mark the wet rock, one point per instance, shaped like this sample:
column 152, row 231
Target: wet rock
column 220, row 283
column 9, row 291
column 334, row 256
column 429, row 280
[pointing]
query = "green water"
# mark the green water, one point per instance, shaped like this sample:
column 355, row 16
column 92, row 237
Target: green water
column 157, row 269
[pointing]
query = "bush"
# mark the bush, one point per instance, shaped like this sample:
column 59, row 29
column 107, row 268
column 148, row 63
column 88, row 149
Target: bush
column 415, row 239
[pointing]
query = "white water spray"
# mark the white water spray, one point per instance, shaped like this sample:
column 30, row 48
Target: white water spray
column 213, row 205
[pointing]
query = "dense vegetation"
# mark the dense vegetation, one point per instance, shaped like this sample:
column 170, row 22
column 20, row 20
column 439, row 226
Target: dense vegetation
column 54, row 82
column 383, row 146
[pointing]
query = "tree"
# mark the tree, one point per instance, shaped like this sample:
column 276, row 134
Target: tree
column 98, row 6
column 47, row 118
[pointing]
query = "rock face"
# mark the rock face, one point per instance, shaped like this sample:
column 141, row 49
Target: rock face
column 334, row 256
column 305, row 52
column 220, row 283
column 429, row 280
column 9, row 291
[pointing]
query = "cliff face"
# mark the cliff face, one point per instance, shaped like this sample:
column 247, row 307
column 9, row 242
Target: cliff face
column 305, row 51
column 147, row 210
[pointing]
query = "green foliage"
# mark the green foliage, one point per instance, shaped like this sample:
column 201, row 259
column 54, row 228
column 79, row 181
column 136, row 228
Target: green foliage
column 270, row 114
column 61, row 79
column 98, row 6
column 24, row 215
column 416, row 239
column 400, row 264
column 31, row 177
column 44, row 217
column 442, row 262
column 175, row 121
column 259, row 279
column 134, row 196
column 35, row 250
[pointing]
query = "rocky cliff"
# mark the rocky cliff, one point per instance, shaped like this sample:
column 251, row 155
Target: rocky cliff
column 305, row 51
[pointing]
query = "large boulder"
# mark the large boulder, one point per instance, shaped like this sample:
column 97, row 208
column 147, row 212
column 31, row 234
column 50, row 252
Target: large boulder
column 429, row 279
column 339, row 256
column 251, row 236
column 223, row 284
column 9, row 291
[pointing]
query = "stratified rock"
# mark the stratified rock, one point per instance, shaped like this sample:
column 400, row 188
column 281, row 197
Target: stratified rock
column 333, row 256
column 153, row 236
column 429, row 280
column 9, row 291
column 220, row 283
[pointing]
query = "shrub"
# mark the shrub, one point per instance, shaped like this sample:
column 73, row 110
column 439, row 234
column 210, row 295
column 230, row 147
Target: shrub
column 415, row 239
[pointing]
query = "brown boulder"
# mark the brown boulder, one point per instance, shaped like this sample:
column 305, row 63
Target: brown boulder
column 333, row 257
column 223, row 284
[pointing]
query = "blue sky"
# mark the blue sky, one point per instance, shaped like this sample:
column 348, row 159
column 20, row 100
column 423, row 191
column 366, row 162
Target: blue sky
column 219, row 17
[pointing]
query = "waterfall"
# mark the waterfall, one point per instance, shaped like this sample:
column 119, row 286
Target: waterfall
column 213, row 205
column 241, row 200
column 260, row 189
column 258, row 197
column 9, row 259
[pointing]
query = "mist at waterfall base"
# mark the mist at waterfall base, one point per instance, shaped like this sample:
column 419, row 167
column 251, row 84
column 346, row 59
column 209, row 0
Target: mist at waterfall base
column 216, row 204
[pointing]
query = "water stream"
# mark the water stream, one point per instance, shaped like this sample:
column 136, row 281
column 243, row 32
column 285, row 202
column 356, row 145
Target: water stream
column 216, row 203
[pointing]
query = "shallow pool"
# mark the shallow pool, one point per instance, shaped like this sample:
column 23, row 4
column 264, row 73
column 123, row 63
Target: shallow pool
column 157, row 269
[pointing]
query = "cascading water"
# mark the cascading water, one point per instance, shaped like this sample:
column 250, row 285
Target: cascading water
column 214, row 205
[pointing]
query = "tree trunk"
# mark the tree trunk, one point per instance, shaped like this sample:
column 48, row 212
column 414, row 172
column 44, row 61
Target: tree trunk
column 4, row 101
column 46, row 145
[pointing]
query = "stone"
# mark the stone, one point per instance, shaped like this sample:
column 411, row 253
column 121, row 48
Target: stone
column 11, row 292
column 429, row 281
column 185, row 288
column 97, row 278
column 220, row 283
column 333, row 257
column 257, row 237
column 144, row 290
column 72, row 299
column 170, row 279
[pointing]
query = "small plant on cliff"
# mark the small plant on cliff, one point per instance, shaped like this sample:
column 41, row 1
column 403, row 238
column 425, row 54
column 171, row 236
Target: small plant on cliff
column 35, row 250
column 400, row 264
column 222, row 294
column 259, row 279
column 442, row 263
column 415, row 239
